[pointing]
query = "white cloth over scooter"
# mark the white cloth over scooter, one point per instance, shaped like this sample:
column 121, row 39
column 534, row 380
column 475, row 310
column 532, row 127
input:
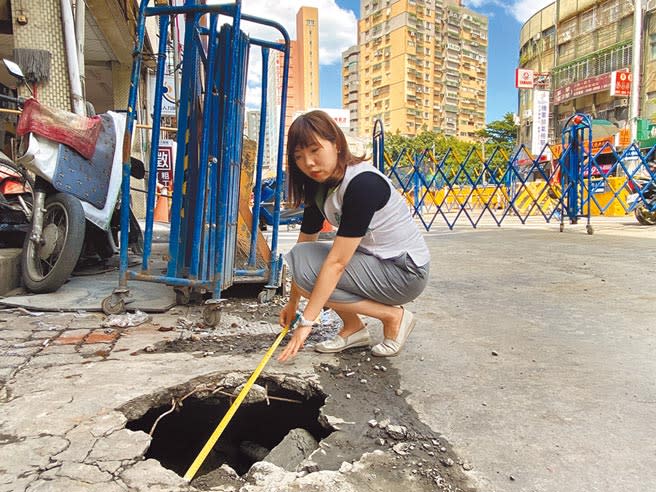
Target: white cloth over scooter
column 41, row 158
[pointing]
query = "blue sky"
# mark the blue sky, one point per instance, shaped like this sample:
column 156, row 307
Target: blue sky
column 338, row 31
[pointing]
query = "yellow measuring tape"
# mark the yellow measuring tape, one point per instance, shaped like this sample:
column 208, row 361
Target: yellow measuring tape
column 191, row 472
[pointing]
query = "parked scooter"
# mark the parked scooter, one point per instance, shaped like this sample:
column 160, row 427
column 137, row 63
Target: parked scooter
column 73, row 197
column 15, row 203
column 643, row 198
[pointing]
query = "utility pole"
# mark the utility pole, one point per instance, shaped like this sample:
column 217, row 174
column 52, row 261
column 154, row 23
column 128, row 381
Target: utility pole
column 634, row 105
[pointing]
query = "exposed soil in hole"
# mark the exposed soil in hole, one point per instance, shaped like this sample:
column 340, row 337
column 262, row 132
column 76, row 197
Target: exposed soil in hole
column 365, row 393
column 179, row 436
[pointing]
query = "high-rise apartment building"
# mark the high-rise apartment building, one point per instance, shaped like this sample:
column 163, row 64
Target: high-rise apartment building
column 302, row 82
column 422, row 66
column 307, row 43
column 350, row 86
column 252, row 127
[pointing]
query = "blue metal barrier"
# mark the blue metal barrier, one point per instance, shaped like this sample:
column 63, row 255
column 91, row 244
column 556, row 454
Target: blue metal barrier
column 569, row 182
column 205, row 199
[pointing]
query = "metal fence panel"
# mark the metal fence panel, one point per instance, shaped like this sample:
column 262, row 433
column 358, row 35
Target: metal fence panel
column 457, row 190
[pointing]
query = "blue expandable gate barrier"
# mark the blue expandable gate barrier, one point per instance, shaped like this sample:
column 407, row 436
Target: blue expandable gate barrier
column 570, row 181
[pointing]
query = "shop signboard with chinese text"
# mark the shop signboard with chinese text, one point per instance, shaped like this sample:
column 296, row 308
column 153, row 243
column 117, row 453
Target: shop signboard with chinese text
column 620, row 83
column 584, row 87
column 165, row 156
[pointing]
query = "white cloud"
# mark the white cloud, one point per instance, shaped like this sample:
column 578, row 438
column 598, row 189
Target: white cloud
column 524, row 9
column 521, row 10
column 337, row 27
column 337, row 32
column 472, row 4
column 253, row 96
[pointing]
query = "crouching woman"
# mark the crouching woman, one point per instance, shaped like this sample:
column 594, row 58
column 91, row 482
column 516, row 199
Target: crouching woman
column 378, row 261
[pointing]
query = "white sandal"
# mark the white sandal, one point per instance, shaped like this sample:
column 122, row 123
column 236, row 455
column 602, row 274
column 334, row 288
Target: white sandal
column 389, row 347
column 337, row 344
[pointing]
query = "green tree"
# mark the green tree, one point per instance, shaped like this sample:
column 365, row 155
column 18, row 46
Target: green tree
column 501, row 132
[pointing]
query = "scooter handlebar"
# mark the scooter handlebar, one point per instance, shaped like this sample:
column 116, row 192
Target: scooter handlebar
column 19, row 101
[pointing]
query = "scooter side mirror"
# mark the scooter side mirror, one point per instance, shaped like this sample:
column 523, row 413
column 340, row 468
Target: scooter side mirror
column 13, row 69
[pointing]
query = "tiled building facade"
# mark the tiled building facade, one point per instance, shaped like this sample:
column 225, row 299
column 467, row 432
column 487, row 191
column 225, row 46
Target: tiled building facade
column 422, row 66
column 578, row 44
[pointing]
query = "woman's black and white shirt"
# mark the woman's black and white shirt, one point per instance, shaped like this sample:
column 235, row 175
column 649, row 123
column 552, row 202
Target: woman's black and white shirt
column 365, row 204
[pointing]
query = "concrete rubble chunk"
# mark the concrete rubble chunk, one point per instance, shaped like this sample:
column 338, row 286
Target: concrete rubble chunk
column 325, row 480
column 224, row 475
column 401, row 448
column 232, row 380
column 263, row 473
column 126, row 320
column 102, row 425
column 121, row 445
column 297, row 445
column 384, row 423
column 447, row 462
column 149, row 475
column 397, row 431
column 256, row 394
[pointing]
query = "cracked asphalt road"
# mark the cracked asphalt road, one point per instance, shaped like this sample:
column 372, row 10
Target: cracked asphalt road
column 532, row 360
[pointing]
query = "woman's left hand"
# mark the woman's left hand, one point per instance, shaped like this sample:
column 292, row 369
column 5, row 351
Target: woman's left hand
column 296, row 343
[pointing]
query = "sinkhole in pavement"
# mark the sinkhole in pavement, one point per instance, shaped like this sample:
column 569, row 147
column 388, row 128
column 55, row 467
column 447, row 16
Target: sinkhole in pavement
column 255, row 429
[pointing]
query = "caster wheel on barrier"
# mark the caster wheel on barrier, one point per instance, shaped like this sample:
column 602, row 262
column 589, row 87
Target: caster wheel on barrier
column 113, row 304
column 211, row 315
column 589, row 229
column 266, row 295
column 182, row 296
column 282, row 290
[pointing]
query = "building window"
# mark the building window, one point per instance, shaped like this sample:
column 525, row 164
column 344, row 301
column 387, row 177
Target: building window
column 652, row 47
column 587, row 22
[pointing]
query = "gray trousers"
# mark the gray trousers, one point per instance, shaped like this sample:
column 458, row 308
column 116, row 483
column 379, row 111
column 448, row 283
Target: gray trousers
column 393, row 282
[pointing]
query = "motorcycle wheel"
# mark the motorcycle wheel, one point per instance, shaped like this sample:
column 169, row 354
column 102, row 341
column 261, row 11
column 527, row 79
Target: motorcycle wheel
column 644, row 216
column 48, row 265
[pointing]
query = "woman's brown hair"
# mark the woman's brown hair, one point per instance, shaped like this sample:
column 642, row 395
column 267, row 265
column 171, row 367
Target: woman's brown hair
column 302, row 133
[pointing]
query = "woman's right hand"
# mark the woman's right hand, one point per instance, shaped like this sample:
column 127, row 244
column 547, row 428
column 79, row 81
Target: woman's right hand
column 287, row 314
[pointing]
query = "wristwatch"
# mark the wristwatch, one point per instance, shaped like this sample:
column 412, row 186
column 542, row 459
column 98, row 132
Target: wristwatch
column 306, row 322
